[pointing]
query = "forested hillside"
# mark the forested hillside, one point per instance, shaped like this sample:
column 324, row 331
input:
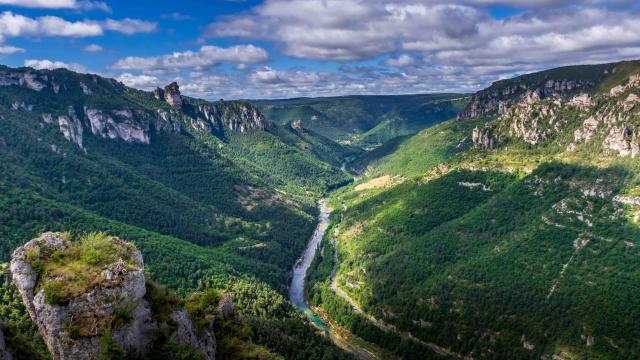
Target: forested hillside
column 213, row 194
column 364, row 120
column 511, row 232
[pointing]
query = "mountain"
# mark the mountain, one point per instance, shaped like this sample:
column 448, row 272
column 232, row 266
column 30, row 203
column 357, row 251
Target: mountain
column 511, row 232
column 364, row 120
column 212, row 193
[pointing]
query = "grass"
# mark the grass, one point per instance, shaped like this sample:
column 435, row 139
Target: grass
column 65, row 274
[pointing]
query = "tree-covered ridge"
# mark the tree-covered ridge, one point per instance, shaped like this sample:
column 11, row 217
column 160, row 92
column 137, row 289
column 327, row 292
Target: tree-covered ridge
column 223, row 207
column 364, row 120
column 524, row 247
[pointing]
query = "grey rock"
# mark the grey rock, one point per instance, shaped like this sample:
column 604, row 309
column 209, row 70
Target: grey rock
column 172, row 95
column 128, row 129
column 74, row 329
column 483, row 138
column 71, row 127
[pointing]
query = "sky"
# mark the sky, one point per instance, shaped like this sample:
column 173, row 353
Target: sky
column 249, row 49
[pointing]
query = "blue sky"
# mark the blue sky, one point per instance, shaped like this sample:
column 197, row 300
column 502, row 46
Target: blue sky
column 287, row 48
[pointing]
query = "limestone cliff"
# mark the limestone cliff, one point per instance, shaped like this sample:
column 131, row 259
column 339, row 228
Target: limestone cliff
column 561, row 83
column 608, row 121
column 79, row 292
column 84, row 105
column 172, row 95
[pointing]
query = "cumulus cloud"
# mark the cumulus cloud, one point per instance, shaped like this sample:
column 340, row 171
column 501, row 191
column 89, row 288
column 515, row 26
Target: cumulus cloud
column 207, row 56
column 345, row 30
column 143, row 82
column 51, row 65
column 59, row 4
column 15, row 25
column 129, row 26
column 444, row 45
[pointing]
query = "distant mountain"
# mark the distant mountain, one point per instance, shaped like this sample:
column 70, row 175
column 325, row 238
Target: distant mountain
column 364, row 120
column 511, row 233
column 212, row 193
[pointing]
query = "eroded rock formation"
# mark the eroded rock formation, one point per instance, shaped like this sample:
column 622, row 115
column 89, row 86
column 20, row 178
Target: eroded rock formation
column 73, row 312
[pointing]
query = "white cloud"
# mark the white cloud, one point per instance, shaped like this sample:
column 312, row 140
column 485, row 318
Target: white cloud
column 445, row 46
column 50, row 65
column 205, row 57
column 15, row 25
column 59, row 4
column 8, row 50
column 346, row 30
column 143, row 82
column 129, row 26
column 47, row 4
column 93, row 48
column 400, row 61
column 93, row 5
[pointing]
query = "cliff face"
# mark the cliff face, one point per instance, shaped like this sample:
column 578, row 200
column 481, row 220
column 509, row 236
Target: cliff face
column 608, row 120
column 78, row 293
column 81, row 105
column 560, row 83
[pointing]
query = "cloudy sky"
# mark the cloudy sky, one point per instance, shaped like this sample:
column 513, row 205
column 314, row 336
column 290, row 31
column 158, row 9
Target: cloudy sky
column 287, row 48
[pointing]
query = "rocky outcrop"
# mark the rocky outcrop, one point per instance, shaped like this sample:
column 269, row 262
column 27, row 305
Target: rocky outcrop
column 20, row 105
column 71, row 127
column 134, row 120
column 633, row 81
column 615, row 121
column 85, row 89
column 501, row 95
column 128, row 128
column 533, row 120
column 622, row 141
column 172, row 95
column 234, row 116
column 483, row 137
column 30, row 80
column 158, row 93
column 582, row 101
column 111, row 300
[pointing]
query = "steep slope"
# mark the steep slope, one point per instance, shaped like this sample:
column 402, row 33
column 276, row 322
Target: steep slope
column 210, row 192
column 364, row 120
column 515, row 234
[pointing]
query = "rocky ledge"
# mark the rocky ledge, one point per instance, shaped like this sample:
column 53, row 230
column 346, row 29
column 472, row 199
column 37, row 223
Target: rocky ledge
column 79, row 293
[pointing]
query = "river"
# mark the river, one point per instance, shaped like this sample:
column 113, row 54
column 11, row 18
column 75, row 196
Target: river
column 296, row 290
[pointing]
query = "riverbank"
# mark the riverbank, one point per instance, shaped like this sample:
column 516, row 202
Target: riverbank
column 341, row 337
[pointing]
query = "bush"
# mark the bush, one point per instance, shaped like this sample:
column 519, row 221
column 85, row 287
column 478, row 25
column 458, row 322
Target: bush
column 109, row 348
column 54, row 293
column 161, row 300
column 201, row 306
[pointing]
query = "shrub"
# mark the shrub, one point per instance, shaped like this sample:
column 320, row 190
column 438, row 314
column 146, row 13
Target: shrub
column 109, row 348
column 162, row 300
column 54, row 293
column 123, row 313
column 201, row 306
column 95, row 248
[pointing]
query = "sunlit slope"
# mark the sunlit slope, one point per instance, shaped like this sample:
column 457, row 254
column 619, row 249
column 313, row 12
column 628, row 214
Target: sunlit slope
column 508, row 236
